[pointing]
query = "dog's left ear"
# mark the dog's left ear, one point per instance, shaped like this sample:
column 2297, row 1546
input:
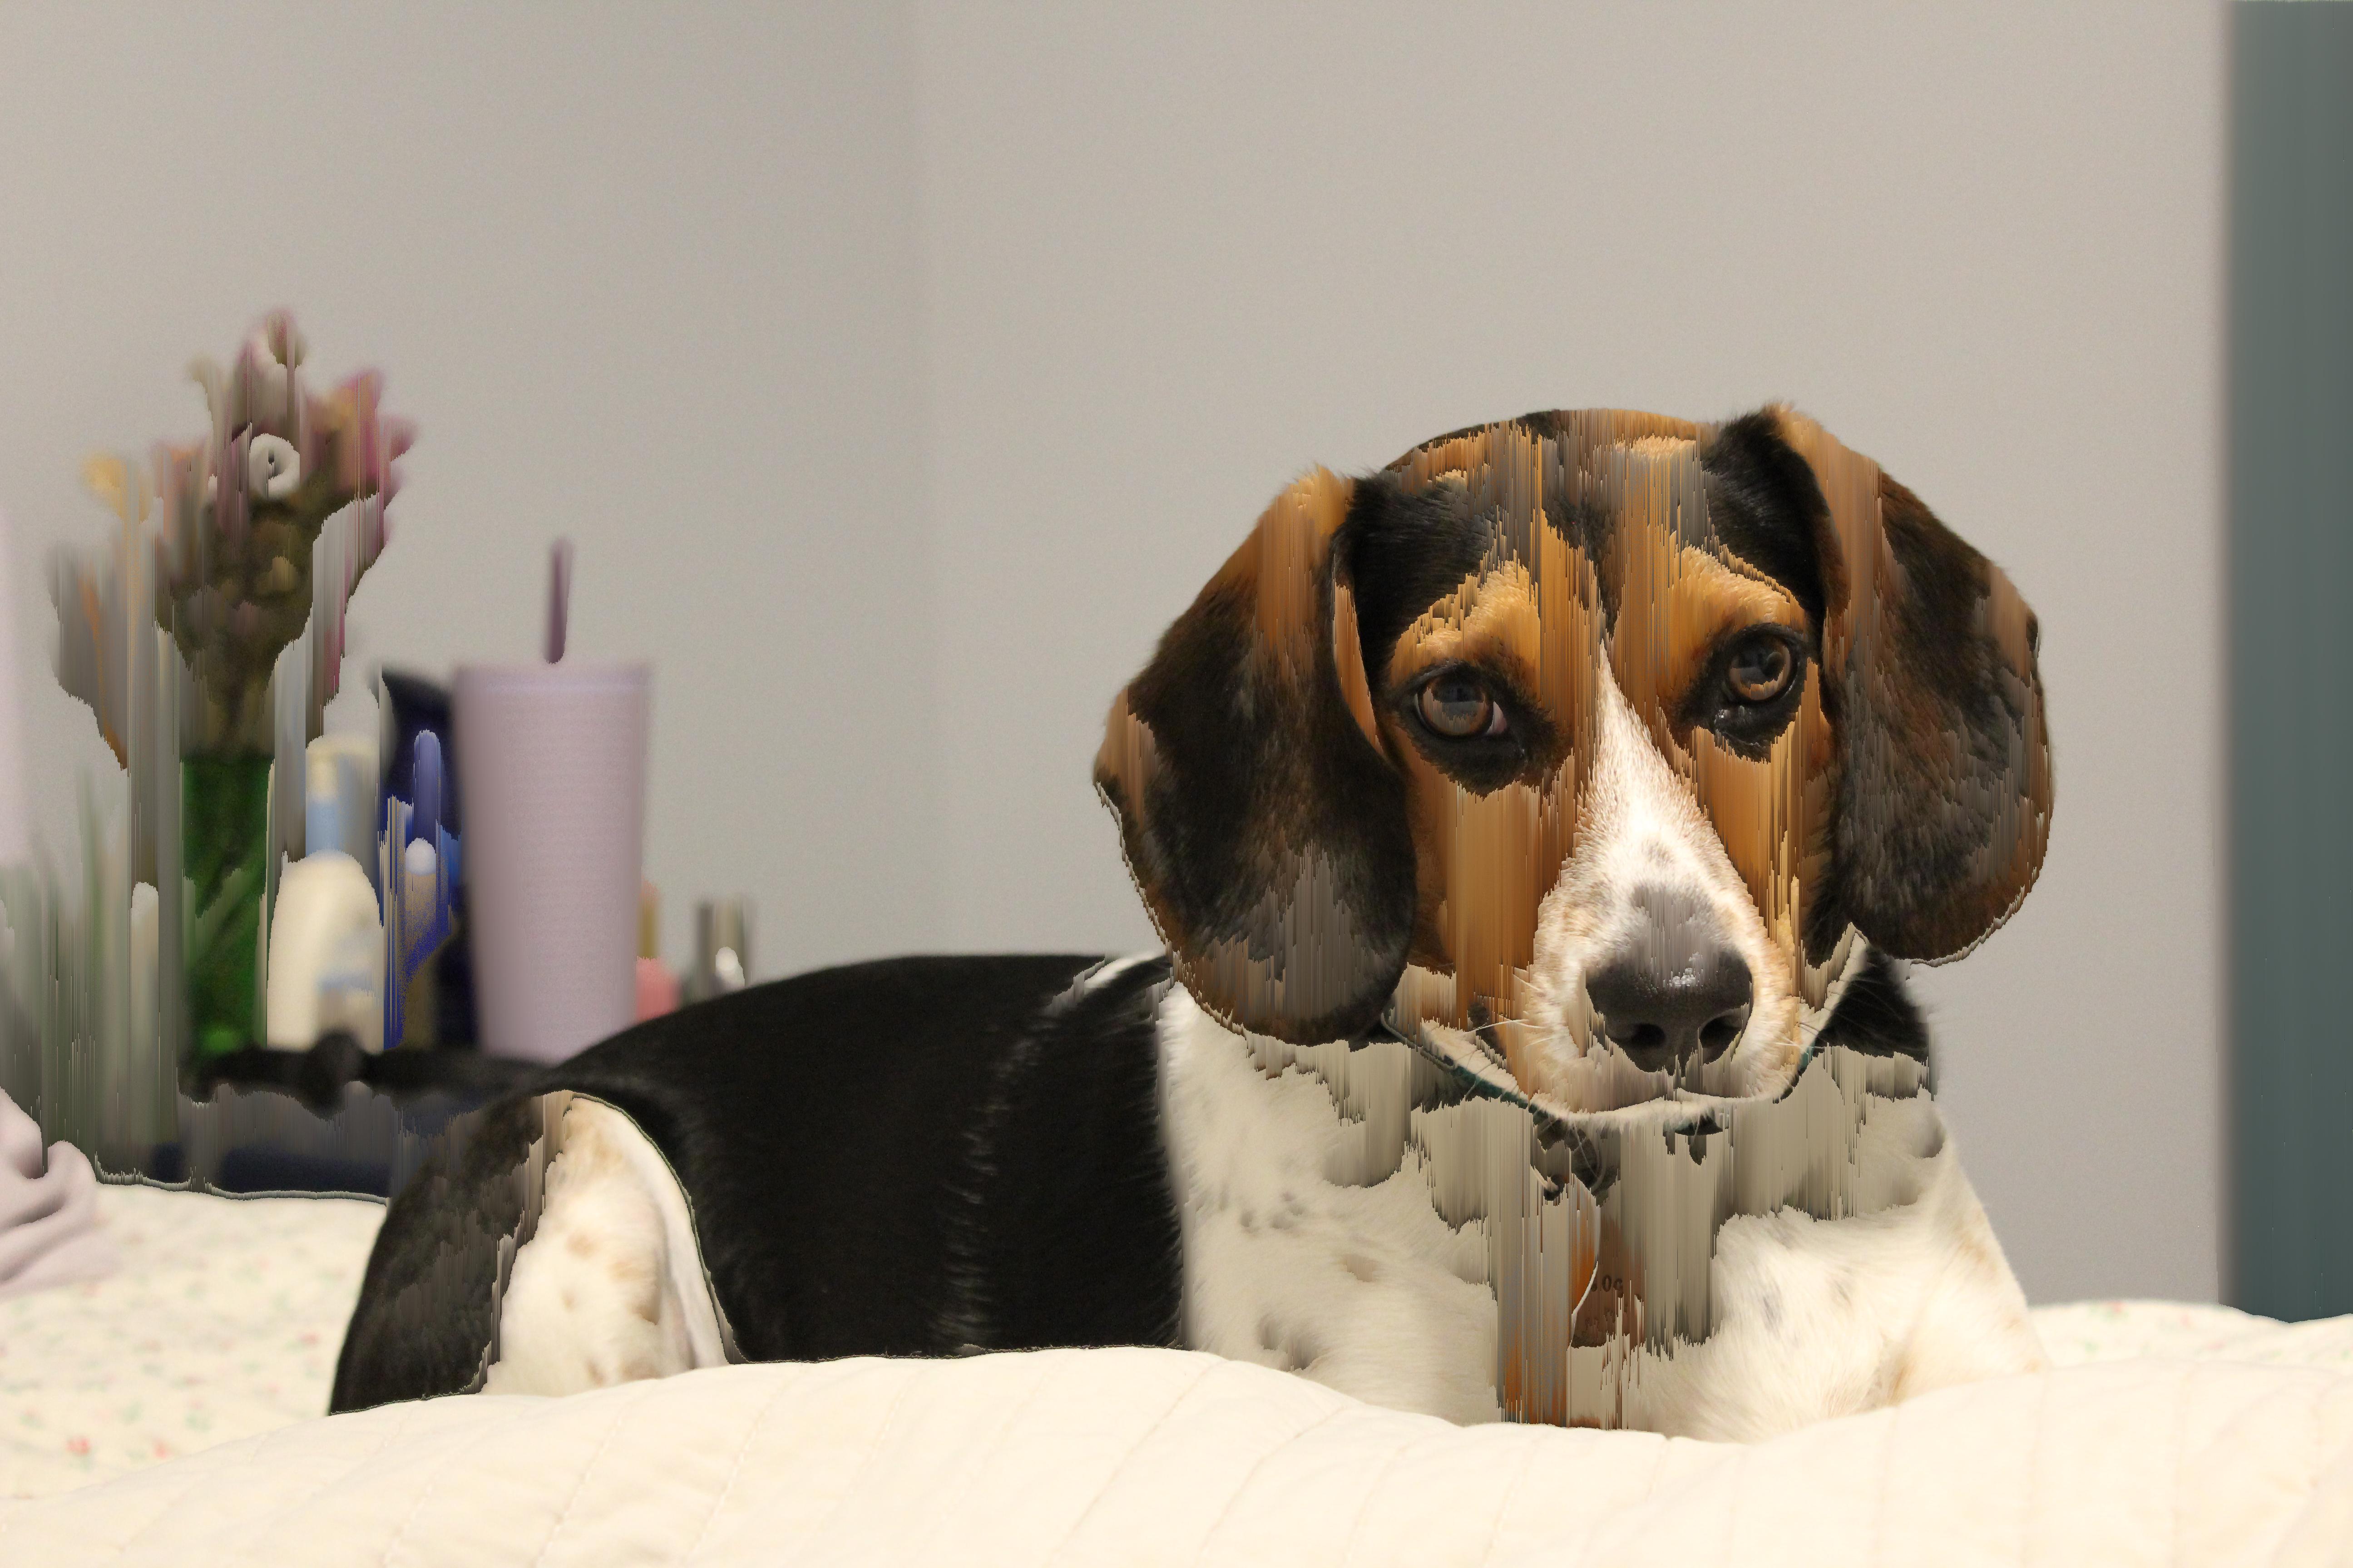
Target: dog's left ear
column 1929, row 658
column 1263, row 825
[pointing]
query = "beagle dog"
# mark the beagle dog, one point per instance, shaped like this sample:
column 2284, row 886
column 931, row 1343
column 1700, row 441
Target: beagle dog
column 1534, row 827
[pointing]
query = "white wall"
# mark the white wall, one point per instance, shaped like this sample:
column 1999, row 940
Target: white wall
column 901, row 370
column 643, row 275
column 1174, row 255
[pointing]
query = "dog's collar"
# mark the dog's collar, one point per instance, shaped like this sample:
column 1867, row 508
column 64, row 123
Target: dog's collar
column 1551, row 1126
column 1480, row 1079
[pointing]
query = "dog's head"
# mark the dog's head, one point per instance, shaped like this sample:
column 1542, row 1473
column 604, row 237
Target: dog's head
column 1599, row 736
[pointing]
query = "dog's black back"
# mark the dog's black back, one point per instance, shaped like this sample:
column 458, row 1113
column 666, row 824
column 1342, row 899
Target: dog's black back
column 920, row 1156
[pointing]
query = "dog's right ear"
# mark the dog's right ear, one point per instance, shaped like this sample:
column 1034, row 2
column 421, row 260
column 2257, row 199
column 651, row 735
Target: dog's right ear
column 1261, row 820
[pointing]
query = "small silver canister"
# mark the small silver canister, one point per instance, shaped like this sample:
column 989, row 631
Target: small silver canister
column 723, row 949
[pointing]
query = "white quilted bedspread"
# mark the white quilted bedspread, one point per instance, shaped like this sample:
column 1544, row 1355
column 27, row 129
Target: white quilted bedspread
column 1151, row 1456
column 2172, row 1434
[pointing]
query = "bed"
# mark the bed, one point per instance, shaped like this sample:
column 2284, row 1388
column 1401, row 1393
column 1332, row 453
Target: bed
column 168, row 1414
column 222, row 1321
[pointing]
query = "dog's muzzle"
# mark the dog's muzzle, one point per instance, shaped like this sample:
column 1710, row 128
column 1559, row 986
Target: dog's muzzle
column 1675, row 992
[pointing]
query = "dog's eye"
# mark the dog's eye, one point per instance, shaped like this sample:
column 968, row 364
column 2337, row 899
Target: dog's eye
column 1760, row 672
column 1753, row 691
column 1457, row 708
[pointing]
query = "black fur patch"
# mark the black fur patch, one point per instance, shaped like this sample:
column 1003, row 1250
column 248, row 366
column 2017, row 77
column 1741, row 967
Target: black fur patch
column 919, row 1156
column 429, row 1303
column 1877, row 1017
column 1768, row 508
column 1402, row 553
column 1067, row 1233
column 1940, row 741
column 1265, row 788
column 1935, row 752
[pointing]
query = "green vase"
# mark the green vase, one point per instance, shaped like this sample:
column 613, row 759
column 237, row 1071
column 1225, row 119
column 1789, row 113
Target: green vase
column 225, row 839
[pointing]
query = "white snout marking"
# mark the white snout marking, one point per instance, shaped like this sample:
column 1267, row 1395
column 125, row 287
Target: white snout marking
column 1640, row 829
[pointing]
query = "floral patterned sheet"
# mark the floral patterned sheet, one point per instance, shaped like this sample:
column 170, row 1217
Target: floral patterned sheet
column 225, row 1316
column 224, row 1320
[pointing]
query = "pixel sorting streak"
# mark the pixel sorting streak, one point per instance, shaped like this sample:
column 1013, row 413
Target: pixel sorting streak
column 1601, row 758
column 1533, row 827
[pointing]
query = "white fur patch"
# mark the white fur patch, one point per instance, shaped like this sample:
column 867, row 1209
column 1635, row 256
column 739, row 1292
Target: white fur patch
column 1313, row 1242
column 1823, row 1318
column 610, row 1289
column 1363, row 1288
column 1295, row 1258
column 1640, row 828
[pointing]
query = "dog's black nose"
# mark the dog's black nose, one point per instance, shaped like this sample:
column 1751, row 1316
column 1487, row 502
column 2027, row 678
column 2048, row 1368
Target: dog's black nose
column 1676, row 992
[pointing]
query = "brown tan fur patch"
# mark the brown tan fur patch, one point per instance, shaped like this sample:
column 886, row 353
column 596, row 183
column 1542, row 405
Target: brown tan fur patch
column 1488, row 861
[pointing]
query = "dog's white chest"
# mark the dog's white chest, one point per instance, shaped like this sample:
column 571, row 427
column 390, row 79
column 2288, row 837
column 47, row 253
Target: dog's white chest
column 1308, row 1249
column 1291, row 1265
